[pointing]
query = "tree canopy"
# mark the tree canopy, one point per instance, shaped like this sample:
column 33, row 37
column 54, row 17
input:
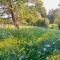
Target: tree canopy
column 22, row 12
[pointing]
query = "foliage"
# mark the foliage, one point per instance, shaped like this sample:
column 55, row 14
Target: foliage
column 51, row 14
column 26, row 15
column 5, row 21
column 28, row 43
column 54, row 16
column 53, row 26
column 55, row 55
column 44, row 22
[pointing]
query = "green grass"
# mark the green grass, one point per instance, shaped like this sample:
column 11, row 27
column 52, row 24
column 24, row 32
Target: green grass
column 29, row 43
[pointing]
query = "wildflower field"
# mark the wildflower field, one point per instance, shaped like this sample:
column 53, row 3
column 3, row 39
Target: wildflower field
column 29, row 44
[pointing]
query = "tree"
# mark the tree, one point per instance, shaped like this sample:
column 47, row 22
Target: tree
column 51, row 15
column 19, row 10
column 11, row 8
column 57, row 17
column 40, row 8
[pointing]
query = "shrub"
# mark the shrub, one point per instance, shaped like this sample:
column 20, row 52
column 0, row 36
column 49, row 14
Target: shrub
column 53, row 26
column 43, row 22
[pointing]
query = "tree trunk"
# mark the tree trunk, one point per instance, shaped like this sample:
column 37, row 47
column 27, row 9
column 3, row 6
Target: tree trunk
column 14, row 16
column 15, row 20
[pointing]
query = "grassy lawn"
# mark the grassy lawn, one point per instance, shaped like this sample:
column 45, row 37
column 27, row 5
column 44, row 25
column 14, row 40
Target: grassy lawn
column 29, row 44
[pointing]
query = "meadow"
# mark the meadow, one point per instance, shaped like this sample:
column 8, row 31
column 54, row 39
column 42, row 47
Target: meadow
column 29, row 44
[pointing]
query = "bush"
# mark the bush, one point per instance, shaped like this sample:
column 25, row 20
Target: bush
column 53, row 26
column 43, row 22
column 55, row 55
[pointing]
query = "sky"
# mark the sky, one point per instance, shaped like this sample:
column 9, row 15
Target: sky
column 51, row 4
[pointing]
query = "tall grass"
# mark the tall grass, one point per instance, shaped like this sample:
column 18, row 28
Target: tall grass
column 28, row 43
